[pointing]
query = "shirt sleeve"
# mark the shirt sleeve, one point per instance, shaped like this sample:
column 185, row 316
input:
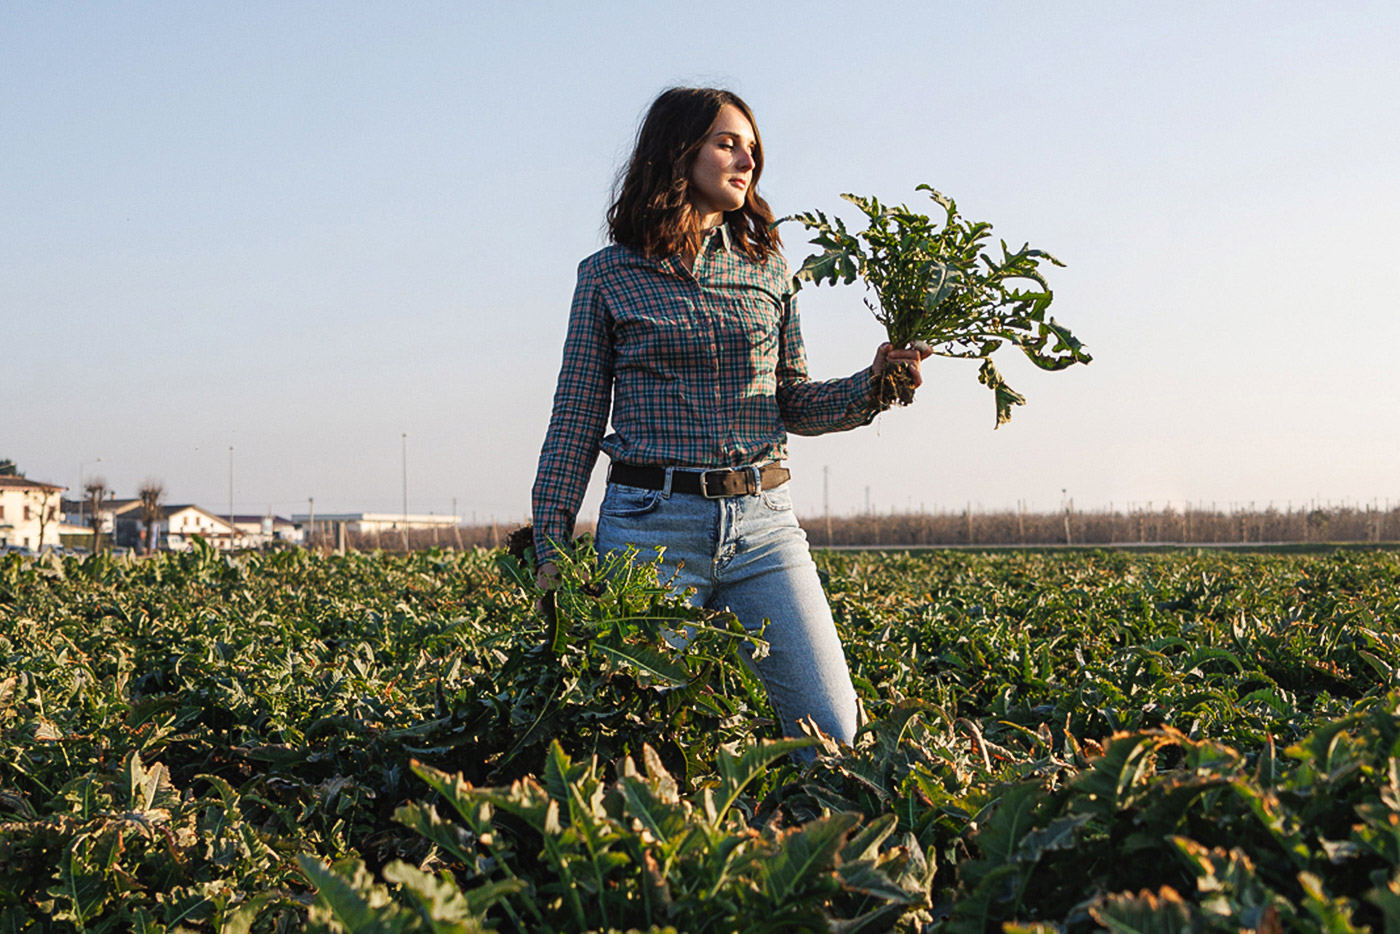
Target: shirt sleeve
column 817, row 407
column 582, row 401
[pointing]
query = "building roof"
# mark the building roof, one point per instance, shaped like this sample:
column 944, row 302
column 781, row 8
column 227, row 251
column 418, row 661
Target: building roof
column 24, row 483
column 247, row 519
column 386, row 517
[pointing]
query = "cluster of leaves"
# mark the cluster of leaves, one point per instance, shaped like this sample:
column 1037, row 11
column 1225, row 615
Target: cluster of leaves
column 280, row 699
column 1054, row 742
column 1164, row 833
column 624, row 661
column 936, row 284
column 582, row 854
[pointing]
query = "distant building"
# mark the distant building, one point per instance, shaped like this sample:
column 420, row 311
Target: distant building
column 183, row 523
column 372, row 522
column 178, row 525
column 262, row 531
column 176, row 528
column 77, row 529
column 79, row 512
column 30, row 513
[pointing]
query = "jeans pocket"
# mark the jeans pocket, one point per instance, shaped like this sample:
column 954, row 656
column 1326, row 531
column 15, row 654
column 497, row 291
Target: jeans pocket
column 778, row 499
column 624, row 502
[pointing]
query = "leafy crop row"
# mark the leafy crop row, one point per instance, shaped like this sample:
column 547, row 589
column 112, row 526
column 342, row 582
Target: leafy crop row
column 1072, row 742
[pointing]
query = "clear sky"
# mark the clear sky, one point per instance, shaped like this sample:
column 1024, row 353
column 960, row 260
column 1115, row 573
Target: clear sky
column 304, row 230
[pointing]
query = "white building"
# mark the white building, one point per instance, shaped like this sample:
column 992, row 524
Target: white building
column 372, row 522
column 262, row 531
column 30, row 513
column 183, row 523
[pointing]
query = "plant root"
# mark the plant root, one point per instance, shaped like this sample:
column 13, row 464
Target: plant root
column 895, row 386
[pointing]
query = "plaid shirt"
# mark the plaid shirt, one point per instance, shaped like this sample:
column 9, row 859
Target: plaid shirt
column 702, row 368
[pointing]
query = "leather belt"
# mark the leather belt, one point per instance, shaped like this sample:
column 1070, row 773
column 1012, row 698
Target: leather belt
column 711, row 484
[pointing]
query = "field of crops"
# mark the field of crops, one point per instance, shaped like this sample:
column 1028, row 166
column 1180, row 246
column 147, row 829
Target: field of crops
column 1054, row 742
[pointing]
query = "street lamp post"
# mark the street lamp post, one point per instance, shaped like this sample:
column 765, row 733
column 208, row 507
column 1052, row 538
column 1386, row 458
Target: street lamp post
column 231, row 527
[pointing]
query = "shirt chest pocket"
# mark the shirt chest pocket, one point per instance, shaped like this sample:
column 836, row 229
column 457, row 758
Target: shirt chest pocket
column 748, row 323
column 648, row 333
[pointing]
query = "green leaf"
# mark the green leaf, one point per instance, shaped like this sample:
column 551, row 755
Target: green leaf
column 806, row 855
column 649, row 661
column 1002, row 836
column 80, row 892
column 1334, row 915
column 1060, row 834
column 148, row 788
column 186, row 904
column 1145, row 913
column 1117, row 777
column 1006, row 397
column 865, row 877
column 873, row 922
column 664, row 820
column 242, row 918
column 438, row 900
column 349, row 901
column 424, row 820
column 865, row 843
column 736, row 773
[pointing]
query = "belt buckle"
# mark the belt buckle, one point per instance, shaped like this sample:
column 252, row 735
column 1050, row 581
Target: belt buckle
column 705, row 485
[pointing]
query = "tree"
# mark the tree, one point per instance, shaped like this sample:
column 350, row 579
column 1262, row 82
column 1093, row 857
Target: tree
column 47, row 512
column 151, row 493
column 96, row 491
column 8, row 468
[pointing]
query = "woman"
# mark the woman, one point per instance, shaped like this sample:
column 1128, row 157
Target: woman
column 685, row 330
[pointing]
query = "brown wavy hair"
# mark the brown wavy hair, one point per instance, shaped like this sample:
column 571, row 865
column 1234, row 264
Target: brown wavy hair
column 651, row 212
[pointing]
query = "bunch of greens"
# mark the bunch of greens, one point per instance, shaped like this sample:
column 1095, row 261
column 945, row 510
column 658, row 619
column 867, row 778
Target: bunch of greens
column 936, row 288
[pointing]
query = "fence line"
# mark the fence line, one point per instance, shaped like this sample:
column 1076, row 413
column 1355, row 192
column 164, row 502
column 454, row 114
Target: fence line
column 1192, row 524
column 1169, row 525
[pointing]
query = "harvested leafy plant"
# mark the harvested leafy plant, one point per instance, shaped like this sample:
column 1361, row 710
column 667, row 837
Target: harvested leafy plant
column 937, row 288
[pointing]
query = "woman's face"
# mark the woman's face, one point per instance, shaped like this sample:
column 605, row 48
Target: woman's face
column 723, row 169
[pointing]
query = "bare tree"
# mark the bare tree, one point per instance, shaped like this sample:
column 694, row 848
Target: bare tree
column 47, row 511
column 96, row 490
column 151, row 494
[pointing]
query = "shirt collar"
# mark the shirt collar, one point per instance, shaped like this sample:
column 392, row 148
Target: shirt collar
column 708, row 241
column 723, row 229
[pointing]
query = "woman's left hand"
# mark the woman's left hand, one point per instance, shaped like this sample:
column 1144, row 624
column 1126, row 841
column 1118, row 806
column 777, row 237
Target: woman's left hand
column 910, row 357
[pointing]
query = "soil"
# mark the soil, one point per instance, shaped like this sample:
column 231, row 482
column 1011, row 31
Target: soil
column 895, row 386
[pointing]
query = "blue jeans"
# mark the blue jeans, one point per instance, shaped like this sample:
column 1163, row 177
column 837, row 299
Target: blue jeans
column 748, row 555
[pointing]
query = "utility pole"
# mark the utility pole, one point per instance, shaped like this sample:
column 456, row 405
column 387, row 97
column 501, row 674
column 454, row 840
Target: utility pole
column 1069, row 508
column 232, row 529
column 826, row 501
column 310, row 519
column 405, row 491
